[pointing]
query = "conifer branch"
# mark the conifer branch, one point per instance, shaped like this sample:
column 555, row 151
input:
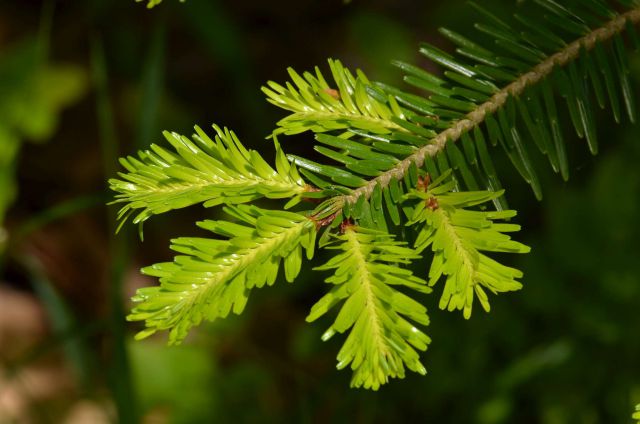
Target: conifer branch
column 476, row 117
column 385, row 146
column 206, row 171
column 213, row 277
column 381, row 342
column 457, row 237
column 318, row 107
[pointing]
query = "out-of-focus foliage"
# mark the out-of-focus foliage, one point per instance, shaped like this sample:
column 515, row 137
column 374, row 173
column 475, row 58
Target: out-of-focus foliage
column 153, row 3
column 32, row 95
column 159, row 371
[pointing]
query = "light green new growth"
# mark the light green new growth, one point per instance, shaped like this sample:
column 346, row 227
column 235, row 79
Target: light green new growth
column 201, row 171
column 457, row 236
column 636, row 415
column 318, row 107
column 213, row 277
column 380, row 342
column 382, row 147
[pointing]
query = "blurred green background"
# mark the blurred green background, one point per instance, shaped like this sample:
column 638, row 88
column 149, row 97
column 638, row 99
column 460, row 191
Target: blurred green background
column 82, row 83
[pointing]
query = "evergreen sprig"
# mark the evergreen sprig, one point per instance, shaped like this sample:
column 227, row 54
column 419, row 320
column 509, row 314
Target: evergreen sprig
column 636, row 415
column 201, row 171
column 510, row 85
column 318, row 107
column 457, row 236
column 505, row 85
column 213, row 277
column 381, row 341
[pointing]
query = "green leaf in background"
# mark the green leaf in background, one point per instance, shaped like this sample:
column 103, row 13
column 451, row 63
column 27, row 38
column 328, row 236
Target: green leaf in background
column 9, row 145
column 34, row 94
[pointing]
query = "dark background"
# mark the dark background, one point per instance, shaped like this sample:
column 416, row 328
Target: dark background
column 564, row 349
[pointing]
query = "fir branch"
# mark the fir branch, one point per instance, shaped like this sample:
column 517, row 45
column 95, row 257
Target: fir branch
column 318, row 107
column 457, row 236
column 213, row 277
column 387, row 144
column 476, row 117
column 201, row 171
column 380, row 342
